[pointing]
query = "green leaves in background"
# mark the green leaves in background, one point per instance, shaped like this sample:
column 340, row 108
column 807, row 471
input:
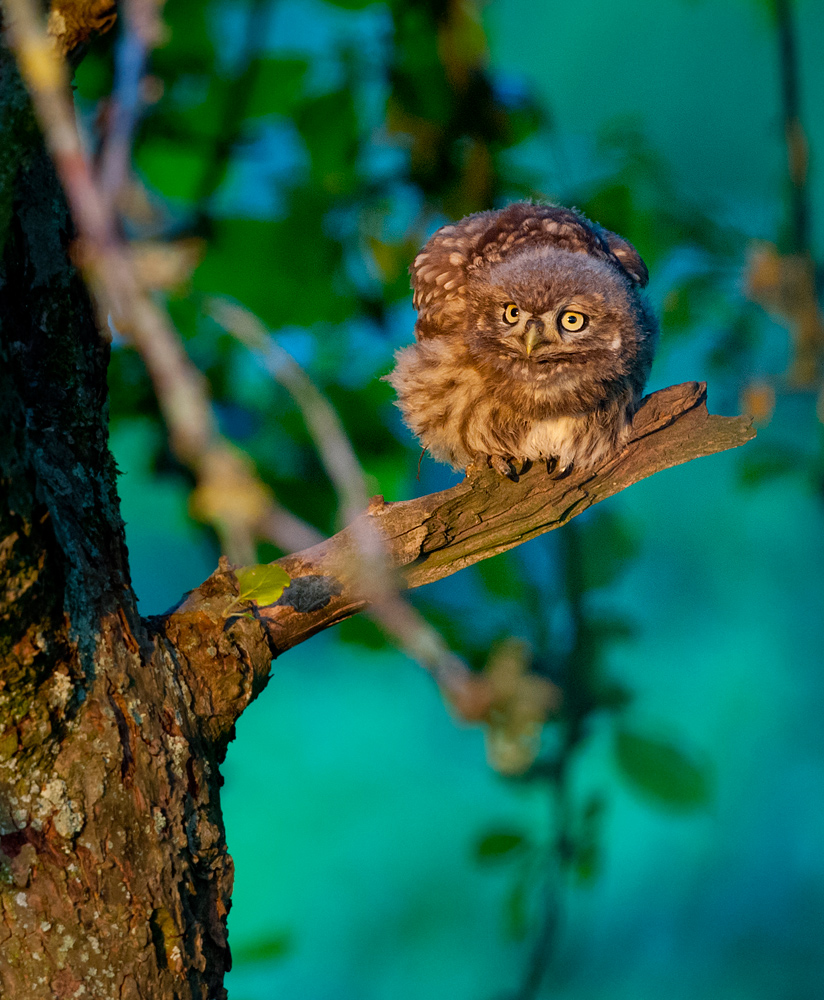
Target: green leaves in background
column 503, row 847
column 661, row 772
column 189, row 47
column 330, row 129
column 275, row 86
column 170, row 168
column 282, row 270
column 499, row 845
column 770, row 460
column 606, row 546
column 264, row 949
column 502, row 576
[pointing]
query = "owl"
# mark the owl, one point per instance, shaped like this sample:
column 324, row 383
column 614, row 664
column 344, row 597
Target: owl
column 534, row 341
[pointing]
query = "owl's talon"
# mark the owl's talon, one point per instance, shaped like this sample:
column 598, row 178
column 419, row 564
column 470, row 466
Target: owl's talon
column 502, row 467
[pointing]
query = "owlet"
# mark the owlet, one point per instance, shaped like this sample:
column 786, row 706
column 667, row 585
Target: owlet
column 534, row 340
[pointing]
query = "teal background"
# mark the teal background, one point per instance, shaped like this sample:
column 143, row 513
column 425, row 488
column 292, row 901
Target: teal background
column 353, row 802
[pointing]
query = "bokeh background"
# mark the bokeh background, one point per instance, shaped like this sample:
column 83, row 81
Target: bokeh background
column 667, row 840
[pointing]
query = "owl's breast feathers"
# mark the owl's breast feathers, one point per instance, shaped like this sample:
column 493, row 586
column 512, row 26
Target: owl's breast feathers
column 459, row 409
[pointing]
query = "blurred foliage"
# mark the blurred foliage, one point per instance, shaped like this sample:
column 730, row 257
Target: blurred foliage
column 311, row 173
column 661, row 771
column 312, row 195
column 266, row 949
column 499, row 844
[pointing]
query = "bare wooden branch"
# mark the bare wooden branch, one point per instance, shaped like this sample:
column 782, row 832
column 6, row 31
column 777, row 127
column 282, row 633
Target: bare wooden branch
column 437, row 535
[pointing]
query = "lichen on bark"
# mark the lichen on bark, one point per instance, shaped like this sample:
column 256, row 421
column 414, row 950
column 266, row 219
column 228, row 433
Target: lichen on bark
column 114, row 875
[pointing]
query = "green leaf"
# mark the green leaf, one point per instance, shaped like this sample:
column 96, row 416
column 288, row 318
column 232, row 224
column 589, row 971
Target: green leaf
column 276, row 86
column 661, row 771
column 264, row 949
column 612, row 204
column 261, row 583
column 244, row 254
column 329, row 127
column 199, row 113
column 586, row 857
column 93, row 77
column 499, row 845
column 769, row 461
column 586, row 864
column 171, row 169
column 188, row 47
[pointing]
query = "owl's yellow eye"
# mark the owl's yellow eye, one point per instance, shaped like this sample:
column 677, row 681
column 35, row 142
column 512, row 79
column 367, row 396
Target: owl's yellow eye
column 573, row 321
column 511, row 314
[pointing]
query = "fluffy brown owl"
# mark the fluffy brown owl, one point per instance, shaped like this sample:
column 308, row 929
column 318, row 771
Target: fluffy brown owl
column 533, row 340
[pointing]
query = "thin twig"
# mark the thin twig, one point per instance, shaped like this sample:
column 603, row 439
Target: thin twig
column 576, row 706
column 336, row 452
column 140, row 33
column 373, row 577
column 228, row 494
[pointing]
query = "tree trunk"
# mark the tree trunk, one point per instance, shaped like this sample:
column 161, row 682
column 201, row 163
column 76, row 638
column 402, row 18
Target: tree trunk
column 114, row 875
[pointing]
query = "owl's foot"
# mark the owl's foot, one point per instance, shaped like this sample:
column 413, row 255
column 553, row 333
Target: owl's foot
column 497, row 462
column 556, row 470
column 502, row 467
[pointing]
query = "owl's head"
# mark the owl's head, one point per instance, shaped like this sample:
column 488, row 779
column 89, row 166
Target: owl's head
column 531, row 288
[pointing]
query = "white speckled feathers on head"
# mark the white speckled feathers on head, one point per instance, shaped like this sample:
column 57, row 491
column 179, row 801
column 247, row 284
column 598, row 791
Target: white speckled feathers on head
column 440, row 271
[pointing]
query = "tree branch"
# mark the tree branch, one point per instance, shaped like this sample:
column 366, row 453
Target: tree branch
column 437, row 535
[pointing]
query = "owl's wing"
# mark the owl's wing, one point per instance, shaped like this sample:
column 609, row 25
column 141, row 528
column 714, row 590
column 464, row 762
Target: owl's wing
column 628, row 258
column 439, row 274
column 440, row 271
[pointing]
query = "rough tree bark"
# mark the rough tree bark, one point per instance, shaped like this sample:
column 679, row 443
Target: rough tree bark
column 115, row 881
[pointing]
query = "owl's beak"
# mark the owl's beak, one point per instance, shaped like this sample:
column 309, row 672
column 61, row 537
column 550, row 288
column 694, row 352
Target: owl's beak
column 534, row 334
